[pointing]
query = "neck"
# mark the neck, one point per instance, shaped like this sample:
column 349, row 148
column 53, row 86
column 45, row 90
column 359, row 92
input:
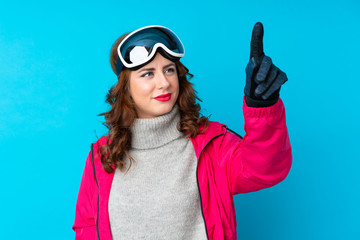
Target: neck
column 155, row 132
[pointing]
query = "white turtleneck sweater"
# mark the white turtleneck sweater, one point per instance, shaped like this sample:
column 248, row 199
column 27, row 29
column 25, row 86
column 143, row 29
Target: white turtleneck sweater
column 158, row 198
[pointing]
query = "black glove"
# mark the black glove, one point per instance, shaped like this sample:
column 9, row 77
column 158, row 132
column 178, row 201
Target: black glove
column 263, row 78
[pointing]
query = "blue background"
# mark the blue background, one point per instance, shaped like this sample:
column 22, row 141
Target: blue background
column 55, row 73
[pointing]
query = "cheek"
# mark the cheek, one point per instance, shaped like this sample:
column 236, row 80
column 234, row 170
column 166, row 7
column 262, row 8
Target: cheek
column 176, row 85
column 140, row 88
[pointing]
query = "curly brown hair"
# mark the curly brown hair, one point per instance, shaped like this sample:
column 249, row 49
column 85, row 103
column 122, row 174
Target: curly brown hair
column 122, row 113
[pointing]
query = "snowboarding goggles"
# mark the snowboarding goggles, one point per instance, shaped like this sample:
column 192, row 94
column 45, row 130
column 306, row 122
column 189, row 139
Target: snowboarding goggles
column 140, row 46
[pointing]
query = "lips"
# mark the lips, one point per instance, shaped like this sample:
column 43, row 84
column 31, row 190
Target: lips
column 163, row 97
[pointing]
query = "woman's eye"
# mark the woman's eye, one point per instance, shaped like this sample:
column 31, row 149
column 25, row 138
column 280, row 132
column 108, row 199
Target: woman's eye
column 170, row 70
column 148, row 74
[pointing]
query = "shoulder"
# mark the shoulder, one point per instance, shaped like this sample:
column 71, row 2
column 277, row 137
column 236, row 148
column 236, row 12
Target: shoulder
column 101, row 141
column 216, row 133
column 212, row 128
column 206, row 133
column 216, row 128
column 96, row 146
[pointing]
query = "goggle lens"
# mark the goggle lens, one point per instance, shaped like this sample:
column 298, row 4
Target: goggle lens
column 140, row 46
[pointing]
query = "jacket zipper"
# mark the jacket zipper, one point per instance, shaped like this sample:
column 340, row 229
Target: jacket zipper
column 97, row 219
column 197, row 180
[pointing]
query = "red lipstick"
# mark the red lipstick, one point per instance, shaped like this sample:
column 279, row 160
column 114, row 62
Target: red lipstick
column 163, row 97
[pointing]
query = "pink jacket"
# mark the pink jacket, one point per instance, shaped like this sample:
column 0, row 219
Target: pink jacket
column 227, row 165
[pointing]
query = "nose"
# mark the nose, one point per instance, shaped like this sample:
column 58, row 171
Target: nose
column 162, row 81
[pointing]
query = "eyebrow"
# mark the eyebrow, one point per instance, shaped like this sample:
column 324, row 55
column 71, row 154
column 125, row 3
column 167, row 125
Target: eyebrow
column 153, row 69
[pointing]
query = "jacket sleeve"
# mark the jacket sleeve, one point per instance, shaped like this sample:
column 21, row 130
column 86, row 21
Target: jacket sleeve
column 85, row 214
column 263, row 157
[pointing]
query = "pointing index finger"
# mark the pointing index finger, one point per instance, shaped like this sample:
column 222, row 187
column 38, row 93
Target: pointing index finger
column 256, row 45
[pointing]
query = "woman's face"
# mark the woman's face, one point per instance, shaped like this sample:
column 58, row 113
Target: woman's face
column 154, row 87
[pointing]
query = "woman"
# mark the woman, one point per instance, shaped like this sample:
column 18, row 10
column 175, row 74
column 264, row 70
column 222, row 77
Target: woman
column 164, row 172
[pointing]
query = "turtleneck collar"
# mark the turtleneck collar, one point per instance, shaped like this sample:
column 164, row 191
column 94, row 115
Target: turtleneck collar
column 155, row 132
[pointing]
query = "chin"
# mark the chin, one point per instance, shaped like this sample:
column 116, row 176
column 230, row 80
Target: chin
column 156, row 110
column 166, row 109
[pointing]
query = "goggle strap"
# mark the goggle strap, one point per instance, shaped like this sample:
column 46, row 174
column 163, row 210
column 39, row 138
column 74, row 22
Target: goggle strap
column 119, row 66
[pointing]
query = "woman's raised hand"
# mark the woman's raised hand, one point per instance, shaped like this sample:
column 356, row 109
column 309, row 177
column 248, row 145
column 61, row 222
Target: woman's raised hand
column 263, row 78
